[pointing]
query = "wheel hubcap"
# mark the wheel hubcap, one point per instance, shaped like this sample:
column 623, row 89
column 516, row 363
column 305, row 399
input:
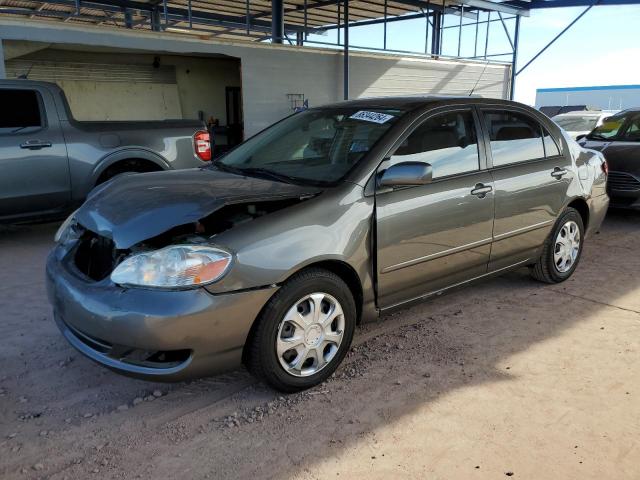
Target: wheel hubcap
column 567, row 247
column 310, row 334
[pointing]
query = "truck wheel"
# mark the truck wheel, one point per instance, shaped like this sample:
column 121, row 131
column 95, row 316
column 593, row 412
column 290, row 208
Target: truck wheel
column 562, row 250
column 304, row 331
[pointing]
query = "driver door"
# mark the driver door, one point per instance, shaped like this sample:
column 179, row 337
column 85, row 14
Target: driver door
column 433, row 236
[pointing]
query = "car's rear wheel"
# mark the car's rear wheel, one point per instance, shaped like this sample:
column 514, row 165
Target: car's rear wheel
column 562, row 250
column 304, row 331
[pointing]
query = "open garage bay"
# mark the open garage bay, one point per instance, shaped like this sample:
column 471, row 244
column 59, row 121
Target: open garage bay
column 505, row 378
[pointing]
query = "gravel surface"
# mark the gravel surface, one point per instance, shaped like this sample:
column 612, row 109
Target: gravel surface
column 507, row 378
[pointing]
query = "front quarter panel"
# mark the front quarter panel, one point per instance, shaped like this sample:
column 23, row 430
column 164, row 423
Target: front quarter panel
column 333, row 226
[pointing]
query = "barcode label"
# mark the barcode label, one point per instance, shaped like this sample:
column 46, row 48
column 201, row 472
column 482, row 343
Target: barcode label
column 374, row 117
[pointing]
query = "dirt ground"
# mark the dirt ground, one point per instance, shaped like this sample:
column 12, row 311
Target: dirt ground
column 505, row 378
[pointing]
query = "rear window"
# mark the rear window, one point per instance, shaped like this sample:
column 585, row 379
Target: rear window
column 20, row 111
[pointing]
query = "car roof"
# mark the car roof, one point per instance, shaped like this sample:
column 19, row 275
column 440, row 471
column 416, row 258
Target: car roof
column 411, row 102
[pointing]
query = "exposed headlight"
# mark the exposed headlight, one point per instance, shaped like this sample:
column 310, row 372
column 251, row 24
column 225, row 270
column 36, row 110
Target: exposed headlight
column 177, row 266
column 62, row 235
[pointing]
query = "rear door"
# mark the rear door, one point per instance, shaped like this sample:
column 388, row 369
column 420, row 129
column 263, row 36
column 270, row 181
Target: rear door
column 34, row 171
column 436, row 235
column 531, row 179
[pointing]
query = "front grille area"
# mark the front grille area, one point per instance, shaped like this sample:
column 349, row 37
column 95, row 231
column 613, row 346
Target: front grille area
column 96, row 256
column 622, row 182
column 161, row 359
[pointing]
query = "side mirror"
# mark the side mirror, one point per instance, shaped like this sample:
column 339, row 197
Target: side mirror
column 406, row 174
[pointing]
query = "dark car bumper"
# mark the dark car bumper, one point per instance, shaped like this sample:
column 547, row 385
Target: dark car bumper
column 624, row 190
column 152, row 334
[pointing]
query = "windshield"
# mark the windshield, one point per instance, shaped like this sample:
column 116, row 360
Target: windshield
column 609, row 128
column 576, row 123
column 317, row 146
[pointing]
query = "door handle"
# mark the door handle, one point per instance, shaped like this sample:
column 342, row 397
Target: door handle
column 558, row 173
column 481, row 190
column 35, row 145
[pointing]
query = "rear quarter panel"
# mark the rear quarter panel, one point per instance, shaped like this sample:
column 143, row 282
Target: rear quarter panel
column 94, row 146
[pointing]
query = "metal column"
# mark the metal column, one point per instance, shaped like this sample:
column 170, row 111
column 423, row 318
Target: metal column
column 277, row 21
column 436, row 47
column 128, row 18
column 3, row 71
column 514, row 63
column 155, row 19
column 346, row 49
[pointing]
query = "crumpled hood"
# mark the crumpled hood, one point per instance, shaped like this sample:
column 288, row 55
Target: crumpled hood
column 136, row 207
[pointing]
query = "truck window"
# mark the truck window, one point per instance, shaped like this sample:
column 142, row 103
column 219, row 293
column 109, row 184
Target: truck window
column 20, row 111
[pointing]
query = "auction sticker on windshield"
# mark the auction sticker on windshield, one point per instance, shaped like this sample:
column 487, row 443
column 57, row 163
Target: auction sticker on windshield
column 374, row 117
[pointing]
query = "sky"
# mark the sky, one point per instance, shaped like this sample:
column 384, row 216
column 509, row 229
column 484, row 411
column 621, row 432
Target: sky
column 601, row 49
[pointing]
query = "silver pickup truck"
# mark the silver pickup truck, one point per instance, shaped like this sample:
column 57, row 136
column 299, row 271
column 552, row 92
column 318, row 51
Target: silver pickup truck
column 49, row 161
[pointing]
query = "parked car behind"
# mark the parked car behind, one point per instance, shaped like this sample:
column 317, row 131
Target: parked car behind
column 49, row 162
column 275, row 252
column 579, row 124
column 618, row 138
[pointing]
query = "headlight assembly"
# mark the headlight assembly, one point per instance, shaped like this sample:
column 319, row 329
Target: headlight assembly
column 176, row 266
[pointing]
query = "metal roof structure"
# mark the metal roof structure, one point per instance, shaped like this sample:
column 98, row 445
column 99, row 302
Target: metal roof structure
column 295, row 21
column 246, row 19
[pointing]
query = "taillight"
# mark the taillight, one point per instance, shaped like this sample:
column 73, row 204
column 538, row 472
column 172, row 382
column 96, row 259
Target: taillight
column 605, row 167
column 202, row 145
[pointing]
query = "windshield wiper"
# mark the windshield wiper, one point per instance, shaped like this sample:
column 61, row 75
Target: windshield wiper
column 263, row 172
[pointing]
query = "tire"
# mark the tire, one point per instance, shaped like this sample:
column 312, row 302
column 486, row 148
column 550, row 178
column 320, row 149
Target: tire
column 288, row 320
column 554, row 266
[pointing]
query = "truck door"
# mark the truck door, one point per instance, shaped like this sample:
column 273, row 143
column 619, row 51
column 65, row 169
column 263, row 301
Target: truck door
column 34, row 169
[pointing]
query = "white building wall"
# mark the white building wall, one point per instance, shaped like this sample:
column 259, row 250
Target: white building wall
column 607, row 98
column 270, row 72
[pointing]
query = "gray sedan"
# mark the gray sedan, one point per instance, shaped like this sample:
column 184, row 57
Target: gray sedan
column 272, row 255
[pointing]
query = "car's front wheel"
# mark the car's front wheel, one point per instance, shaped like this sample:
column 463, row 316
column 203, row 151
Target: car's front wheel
column 304, row 331
column 562, row 250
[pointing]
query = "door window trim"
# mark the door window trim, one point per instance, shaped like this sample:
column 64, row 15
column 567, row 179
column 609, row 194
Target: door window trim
column 43, row 113
column 417, row 122
column 515, row 109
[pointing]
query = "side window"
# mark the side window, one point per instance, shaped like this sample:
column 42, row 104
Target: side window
column 550, row 146
column 515, row 137
column 446, row 141
column 632, row 133
column 20, row 111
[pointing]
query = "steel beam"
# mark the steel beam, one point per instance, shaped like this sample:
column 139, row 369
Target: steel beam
column 593, row 4
column 497, row 7
column 535, row 4
column 346, row 49
column 436, row 47
column 3, row 70
column 277, row 21
column 514, row 63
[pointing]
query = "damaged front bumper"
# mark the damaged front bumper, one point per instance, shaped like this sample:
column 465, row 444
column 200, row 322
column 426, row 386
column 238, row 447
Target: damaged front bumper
column 157, row 335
